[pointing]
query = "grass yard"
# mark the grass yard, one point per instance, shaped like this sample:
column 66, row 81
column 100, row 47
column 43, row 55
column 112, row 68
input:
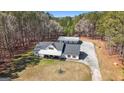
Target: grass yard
column 51, row 69
column 30, row 67
column 58, row 71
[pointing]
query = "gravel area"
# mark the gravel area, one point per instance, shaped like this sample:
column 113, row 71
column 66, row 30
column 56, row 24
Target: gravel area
column 5, row 79
column 89, row 57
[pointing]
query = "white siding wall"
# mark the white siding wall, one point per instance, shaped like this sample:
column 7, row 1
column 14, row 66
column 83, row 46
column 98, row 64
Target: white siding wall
column 49, row 52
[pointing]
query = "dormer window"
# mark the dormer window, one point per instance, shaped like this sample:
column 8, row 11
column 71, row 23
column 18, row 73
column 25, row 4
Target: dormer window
column 51, row 48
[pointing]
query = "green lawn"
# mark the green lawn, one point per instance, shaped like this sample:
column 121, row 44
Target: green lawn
column 29, row 59
column 45, row 61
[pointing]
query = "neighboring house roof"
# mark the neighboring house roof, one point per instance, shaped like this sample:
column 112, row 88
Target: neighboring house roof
column 72, row 49
column 63, row 38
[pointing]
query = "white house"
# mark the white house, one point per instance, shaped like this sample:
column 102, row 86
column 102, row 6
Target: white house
column 66, row 47
column 49, row 49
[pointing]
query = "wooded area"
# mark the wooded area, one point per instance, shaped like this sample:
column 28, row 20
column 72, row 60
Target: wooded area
column 107, row 26
column 20, row 31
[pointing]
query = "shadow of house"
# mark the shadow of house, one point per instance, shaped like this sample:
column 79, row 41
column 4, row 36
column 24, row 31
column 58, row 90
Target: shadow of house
column 83, row 55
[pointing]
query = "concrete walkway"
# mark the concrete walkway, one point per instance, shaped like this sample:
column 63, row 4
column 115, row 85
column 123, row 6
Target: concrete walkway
column 90, row 59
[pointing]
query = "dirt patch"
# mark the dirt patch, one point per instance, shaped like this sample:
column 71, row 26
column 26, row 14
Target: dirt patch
column 59, row 71
column 110, row 66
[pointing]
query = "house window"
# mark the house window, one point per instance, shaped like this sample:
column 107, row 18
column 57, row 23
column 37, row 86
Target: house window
column 69, row 56
column 74, row 56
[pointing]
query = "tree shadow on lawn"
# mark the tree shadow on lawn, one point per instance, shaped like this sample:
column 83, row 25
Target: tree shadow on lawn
column 83, row 55
column 25, row 61
column 21, row 62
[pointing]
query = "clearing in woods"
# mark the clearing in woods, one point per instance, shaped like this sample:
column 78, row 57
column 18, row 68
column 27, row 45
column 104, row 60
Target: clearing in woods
column 49, row 69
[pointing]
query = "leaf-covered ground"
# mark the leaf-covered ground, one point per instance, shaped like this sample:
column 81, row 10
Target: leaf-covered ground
column 110, row 66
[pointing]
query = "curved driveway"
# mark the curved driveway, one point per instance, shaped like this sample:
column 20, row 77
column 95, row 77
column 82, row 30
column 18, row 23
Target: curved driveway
column 90, row 59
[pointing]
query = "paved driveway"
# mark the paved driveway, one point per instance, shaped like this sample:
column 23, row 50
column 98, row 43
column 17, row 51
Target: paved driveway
column 89, row 57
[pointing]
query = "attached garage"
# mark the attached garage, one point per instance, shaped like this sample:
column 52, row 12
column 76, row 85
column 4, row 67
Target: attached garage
column 72, row 51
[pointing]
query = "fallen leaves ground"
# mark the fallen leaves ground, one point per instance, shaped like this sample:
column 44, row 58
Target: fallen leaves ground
column 110, row 66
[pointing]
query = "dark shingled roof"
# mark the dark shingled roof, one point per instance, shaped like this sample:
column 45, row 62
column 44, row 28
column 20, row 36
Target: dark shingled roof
column 72, row 49
column 72, row 39
column 58, row 45
column 43, row 45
